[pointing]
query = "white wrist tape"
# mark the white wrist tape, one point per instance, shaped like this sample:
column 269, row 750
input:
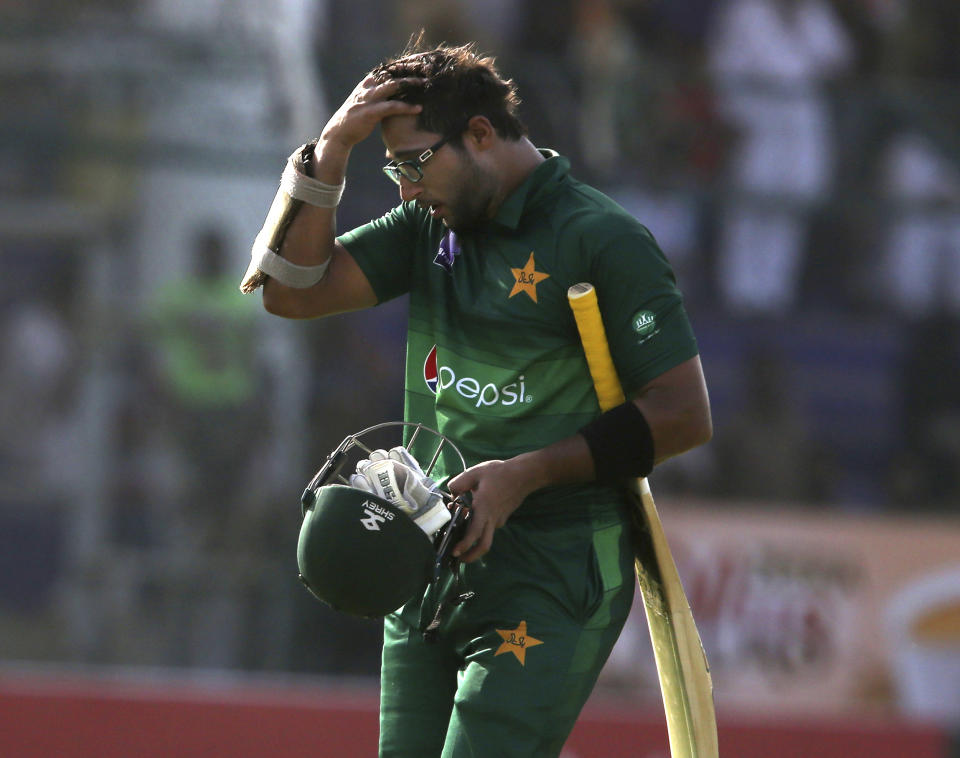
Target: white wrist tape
column 296, row 188
column 299, row 186
column 287, row 273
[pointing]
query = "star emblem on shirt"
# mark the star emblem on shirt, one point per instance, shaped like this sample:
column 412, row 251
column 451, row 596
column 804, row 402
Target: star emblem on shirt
column 517, row 641
column 526, row 279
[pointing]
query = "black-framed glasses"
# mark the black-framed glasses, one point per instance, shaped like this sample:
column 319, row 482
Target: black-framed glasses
column 412, row 169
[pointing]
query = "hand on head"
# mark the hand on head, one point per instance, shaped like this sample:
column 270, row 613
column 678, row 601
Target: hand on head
column 368, row 105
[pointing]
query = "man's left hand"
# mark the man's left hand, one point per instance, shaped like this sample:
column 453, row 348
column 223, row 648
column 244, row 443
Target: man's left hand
column 498, row 488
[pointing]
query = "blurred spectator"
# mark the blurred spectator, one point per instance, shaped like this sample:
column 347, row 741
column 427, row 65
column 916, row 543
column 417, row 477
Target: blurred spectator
column 440, row 22
column 538, row 60
column 666, row 130
column 926, row 471
column 151, row 472
column 921, row 168
column 922, row 247
column 770, row 60
column 767, row 451
column 865, row 22
column 674, row 30
column 922, row 41
column 291, row 31
column 494, row 22
column 671, row 141
column 545, row 26
column 41, row 376
column 284, row 33
column 211, row 379
column 40, row 363
column 604, row 55
column 37, row 363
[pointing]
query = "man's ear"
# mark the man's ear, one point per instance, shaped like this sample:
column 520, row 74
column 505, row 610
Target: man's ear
column 480, row 133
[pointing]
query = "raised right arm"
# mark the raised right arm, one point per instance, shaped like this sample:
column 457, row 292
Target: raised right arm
column 310, row 239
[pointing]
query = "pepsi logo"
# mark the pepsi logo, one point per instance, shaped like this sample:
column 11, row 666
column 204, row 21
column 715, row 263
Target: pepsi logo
column 430, row 373
column 439, row 378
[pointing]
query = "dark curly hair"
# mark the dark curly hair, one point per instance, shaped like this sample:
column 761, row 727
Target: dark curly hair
column 459, row 83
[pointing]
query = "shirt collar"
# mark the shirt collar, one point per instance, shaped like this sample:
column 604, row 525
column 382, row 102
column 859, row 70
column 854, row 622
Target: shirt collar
column 545, row 176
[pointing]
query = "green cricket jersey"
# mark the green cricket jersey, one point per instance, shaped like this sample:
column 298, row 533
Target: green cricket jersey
column 494, row 360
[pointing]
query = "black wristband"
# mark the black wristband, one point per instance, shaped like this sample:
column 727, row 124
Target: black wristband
column 621, row 443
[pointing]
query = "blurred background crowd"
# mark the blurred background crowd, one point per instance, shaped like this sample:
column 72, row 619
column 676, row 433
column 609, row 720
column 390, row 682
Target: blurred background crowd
column 797, row 160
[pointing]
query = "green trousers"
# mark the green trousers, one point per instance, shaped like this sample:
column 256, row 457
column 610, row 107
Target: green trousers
column 511, row 668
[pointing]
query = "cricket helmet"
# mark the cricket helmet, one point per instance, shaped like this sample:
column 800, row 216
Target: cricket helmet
column 359, row 553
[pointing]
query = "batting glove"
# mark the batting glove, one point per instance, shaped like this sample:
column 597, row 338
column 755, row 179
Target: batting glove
column 396, row 477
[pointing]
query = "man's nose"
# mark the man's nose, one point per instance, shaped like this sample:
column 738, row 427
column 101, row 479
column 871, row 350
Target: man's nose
column 409, row 190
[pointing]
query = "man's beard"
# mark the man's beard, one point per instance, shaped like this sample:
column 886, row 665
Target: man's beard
column 468, row 210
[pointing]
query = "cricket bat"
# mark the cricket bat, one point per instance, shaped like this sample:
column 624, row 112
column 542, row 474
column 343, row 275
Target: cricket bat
column 682, row 667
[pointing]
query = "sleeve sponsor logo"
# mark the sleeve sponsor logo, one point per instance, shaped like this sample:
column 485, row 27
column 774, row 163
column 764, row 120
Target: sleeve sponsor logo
column 644, row 323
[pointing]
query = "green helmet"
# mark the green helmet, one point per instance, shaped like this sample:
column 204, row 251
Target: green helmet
column 361, row 554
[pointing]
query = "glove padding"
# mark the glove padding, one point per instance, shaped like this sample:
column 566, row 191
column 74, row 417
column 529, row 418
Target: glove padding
column 396, row 477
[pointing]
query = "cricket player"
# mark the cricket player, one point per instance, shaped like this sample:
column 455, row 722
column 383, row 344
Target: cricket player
column 489, row 234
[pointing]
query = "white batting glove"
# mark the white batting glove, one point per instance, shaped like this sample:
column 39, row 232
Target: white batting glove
column 396, row 477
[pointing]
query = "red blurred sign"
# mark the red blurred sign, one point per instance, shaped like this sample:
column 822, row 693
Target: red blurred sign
column 79, row 718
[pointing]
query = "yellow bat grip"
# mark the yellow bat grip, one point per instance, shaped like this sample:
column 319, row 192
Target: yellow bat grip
column 586, row 312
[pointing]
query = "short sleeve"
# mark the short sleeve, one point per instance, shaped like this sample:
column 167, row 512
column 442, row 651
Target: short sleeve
column 384, row 250
column 642, row 308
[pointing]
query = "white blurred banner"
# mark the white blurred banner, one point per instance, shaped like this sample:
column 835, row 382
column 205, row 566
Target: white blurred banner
column 802, row 613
